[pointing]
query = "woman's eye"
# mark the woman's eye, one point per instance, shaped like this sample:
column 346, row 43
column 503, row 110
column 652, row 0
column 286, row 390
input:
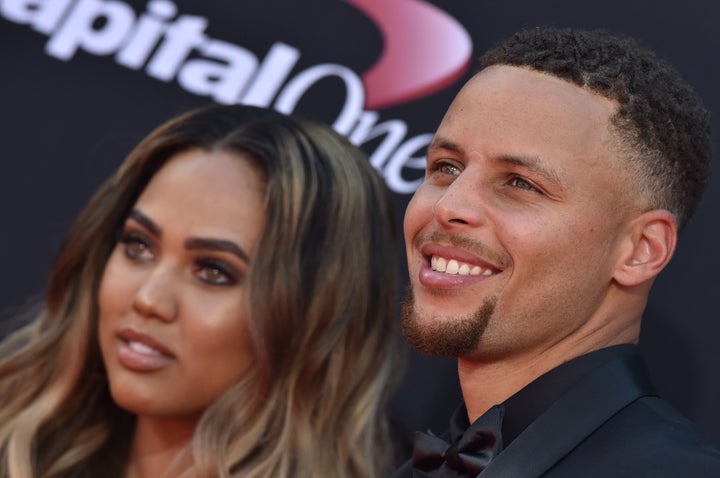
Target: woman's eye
column 136, row 246
column 523, row 184
column 214, row 273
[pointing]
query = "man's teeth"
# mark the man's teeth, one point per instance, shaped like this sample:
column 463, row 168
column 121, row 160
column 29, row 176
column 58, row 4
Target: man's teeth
column 140, row 347
column 440, row 264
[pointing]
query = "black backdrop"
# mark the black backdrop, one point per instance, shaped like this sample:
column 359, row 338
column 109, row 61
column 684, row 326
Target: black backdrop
column 67, row 122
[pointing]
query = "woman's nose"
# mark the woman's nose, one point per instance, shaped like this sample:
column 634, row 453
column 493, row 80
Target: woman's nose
column 157, row 295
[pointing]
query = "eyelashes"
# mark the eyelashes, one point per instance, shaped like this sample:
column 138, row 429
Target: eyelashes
column 523, row 184
column 445, row 168
column 140, row 249
column 136, row 246
column 444, row 171
column 216, row 272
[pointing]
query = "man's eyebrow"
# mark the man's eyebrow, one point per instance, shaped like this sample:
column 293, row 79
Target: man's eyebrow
column 533, row 164
column 443, row 143
column 217, row 245
column 146, row 222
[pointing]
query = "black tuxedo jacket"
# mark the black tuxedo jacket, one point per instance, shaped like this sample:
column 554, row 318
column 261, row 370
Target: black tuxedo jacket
column 609, row 424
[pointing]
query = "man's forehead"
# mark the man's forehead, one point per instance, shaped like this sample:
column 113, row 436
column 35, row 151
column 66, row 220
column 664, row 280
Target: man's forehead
column 526, row 82
column 504, row 99
column 517, row 116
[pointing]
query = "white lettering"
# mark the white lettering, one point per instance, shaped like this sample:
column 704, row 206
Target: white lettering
column 151, row 27
column 223, row 81
column 273, row 72
column 224, row 71
column 43, row 15
column 181, row 38
column 403, row 159
column 366, row 129
column 78, row 31
column 298, row 86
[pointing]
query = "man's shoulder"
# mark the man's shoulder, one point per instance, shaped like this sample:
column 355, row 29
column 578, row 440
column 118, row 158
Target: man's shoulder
column 646, row 438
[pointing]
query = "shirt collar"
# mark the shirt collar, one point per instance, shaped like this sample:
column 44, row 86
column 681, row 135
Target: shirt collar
column 522, row 408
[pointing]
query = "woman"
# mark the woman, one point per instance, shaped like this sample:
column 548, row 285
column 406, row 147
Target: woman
column 223, row 306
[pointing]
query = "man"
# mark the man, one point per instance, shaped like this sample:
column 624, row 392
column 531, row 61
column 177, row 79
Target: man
column 555, row 187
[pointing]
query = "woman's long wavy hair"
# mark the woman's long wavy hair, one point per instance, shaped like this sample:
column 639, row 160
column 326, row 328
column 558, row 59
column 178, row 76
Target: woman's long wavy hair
column 323, row 330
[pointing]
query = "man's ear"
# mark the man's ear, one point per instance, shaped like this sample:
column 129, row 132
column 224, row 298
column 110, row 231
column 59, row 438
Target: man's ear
column 648, row 248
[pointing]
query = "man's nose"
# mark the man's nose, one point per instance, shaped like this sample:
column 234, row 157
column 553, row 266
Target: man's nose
column 461, row 204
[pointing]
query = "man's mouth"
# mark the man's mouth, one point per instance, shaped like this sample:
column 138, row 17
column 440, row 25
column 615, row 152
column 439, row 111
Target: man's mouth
column 455, row 267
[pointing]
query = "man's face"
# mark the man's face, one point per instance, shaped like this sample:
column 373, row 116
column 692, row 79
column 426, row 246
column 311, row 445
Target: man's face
column 512, row 239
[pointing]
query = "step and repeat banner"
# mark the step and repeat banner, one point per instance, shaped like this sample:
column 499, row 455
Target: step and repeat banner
column 84, row 80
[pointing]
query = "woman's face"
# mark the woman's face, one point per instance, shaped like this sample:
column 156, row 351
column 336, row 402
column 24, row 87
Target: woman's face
column 173, row 294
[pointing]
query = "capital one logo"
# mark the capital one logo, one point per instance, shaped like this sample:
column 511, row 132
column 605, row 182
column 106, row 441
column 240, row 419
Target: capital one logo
column 424, row 51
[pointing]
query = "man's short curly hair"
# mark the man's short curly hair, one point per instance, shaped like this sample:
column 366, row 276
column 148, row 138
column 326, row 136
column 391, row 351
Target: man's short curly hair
column 662, row 123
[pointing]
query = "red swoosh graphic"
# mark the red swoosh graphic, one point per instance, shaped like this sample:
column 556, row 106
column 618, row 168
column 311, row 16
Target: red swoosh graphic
column 425, row 51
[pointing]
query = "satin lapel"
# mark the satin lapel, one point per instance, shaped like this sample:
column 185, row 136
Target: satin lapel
column 405, row 471
column 584, row 408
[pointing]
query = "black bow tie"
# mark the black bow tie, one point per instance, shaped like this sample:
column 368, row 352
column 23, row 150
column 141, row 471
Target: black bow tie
column 467, row 456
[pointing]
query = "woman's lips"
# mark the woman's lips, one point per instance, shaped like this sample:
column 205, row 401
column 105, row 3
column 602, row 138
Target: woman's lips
column 141, row 352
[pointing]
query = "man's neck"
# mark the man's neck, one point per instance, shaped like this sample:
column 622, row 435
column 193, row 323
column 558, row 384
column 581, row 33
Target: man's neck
column 486, row 383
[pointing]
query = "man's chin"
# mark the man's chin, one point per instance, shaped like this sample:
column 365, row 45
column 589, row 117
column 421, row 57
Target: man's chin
column 444, row 336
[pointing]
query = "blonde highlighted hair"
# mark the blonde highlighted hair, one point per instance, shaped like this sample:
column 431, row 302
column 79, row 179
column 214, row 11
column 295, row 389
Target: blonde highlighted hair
column 322, row 300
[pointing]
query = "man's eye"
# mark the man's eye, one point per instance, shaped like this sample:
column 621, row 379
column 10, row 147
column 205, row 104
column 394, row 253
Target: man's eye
column 136, row 246
column 446, row 168
column 523, row 184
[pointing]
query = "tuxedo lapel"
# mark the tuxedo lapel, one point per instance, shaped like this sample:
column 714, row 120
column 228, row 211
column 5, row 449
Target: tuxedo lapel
column 405, row 471
column 580, row 411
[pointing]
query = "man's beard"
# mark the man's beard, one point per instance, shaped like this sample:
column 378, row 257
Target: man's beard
column 452, row 337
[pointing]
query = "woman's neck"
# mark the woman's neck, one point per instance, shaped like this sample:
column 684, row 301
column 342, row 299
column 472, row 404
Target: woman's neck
column 156, row 444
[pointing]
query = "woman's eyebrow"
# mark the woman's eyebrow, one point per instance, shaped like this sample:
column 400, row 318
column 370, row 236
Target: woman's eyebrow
column 217, row 245
column 146, row 222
